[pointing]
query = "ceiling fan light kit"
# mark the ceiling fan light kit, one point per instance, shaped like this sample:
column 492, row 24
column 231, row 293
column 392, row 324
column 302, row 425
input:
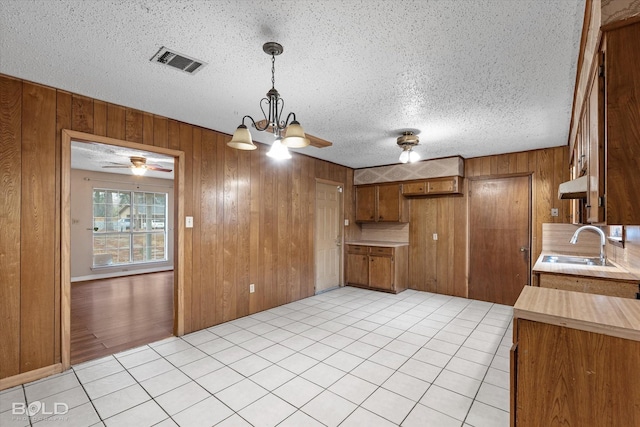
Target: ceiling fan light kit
column 407, row 141
column 273, row 122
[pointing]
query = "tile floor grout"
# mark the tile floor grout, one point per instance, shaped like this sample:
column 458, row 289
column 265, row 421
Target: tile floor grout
column 296, row 313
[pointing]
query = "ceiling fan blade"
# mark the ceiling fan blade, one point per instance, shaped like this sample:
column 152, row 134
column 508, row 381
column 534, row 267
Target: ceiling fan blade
column 158, row 168
column 318, row 142
column 314, row 140
column 117, row 167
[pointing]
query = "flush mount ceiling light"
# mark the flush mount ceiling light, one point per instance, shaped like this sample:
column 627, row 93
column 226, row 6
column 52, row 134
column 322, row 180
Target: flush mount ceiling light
column 407, row 141
column 294, row 137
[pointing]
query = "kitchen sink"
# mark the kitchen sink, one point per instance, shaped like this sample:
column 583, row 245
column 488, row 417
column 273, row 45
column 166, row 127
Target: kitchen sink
column 580, row 260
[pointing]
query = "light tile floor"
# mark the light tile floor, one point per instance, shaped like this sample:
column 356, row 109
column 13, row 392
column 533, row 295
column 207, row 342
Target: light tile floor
column 348, row 357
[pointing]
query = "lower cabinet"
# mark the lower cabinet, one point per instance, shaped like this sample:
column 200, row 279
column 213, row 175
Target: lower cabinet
column 561, row 376
column 591, row 285
column 378, row 267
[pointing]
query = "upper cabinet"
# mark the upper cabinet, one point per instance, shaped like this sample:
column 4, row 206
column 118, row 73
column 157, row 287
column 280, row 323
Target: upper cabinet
column 607, row 145
column 381, row 203
column 433, row 187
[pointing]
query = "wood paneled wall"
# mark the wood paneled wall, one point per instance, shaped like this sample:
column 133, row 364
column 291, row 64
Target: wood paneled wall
column 253, row 217
column 441, row 266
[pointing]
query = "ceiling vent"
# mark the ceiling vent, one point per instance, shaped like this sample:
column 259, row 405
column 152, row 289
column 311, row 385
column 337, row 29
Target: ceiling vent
column 177, row 60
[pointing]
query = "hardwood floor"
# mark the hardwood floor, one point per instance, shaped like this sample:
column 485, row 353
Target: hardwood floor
column 111, row 315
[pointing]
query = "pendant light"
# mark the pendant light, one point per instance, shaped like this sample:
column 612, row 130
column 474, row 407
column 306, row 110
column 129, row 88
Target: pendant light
column 273, row 122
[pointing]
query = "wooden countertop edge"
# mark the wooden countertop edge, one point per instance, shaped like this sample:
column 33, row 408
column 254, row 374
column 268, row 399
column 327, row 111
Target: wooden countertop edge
column 615, row 273
column 580, row 311
column 377, row 243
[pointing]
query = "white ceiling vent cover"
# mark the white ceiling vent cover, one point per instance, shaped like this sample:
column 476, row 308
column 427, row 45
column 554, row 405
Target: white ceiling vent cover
column 177, row 60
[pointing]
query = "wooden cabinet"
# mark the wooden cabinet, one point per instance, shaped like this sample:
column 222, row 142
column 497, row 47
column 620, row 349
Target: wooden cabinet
column 433, row 187
column 381, row 203
column 377, row 267
column 606, row 148
column 574, row 360
column 592, row 285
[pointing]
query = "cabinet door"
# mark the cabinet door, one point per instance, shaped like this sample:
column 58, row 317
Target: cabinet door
column 442, row 185
column 389, row 203
column 365, row 204
column 414, row 188
column 381, row 272
column 358, row 269
column 595, row 165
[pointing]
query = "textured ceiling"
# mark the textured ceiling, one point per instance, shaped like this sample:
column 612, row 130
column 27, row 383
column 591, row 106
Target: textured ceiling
column 475, row 77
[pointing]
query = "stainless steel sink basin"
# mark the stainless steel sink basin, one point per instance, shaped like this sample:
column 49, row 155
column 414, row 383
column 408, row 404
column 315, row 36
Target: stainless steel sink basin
column 567, row 259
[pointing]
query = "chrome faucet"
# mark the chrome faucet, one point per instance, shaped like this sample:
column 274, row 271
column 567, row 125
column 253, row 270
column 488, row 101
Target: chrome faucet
column 603, row 238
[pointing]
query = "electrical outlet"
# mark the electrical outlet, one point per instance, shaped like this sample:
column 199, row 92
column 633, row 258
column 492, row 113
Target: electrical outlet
column 435, row 236
column 252, row 288
column 554, row 211
column 189, row 222
column 346, row 222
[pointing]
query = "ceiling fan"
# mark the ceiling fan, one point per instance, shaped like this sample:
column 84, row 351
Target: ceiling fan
column 313, row 140
column 138, row 166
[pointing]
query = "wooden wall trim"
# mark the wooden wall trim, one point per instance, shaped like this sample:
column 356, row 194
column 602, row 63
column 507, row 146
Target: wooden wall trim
column 29, row 376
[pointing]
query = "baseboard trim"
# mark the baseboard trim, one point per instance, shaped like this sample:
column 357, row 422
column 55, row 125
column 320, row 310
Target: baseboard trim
column 27, row 377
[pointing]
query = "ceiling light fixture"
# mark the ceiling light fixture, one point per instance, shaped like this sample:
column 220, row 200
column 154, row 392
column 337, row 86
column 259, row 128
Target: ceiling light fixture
column 138, row 171
column 294, row 136
column 407, row 141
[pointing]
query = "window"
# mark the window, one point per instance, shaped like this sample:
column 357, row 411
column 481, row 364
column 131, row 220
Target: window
column 129, row 227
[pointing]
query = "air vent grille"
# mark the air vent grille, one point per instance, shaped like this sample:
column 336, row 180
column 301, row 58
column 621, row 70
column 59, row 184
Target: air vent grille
column 177, row 60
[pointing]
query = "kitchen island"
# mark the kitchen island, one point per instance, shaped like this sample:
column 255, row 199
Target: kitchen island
column 575, row 359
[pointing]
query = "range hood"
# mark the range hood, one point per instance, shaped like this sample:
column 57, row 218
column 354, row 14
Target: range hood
column 574, row 189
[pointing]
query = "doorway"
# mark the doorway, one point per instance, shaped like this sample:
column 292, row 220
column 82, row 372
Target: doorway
column 499, row 238
column 178, row 214
column 328, row 240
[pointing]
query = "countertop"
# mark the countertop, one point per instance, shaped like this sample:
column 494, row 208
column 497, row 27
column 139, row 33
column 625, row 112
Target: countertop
column 614, row 272
column 619, row 317
column 377, row 243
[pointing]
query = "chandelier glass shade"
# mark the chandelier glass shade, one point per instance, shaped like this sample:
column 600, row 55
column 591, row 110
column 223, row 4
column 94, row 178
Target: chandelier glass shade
column 272, row 105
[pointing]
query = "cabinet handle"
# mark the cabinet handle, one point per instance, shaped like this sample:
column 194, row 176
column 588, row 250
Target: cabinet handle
column 380, row 218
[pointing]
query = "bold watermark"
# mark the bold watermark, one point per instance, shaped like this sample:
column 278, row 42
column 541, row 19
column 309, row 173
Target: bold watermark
column 39, row 409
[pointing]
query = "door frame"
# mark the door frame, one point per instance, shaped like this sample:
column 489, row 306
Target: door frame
column 341, row 227
column 531, row 193
column 65, row 232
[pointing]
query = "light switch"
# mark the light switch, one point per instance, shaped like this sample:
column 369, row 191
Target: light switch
column 435, row 236
column 189, row 222
column 346, row 222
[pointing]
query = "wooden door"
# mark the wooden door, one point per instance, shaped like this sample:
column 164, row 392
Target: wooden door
column 595, row 109
column 380, row 272
column 358, row 269
column 499, row 238
column 328, row 236
column 388, row 203
column 365, row 203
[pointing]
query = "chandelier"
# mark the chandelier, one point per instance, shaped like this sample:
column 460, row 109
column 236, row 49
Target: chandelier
column 407, row 141
column 272, row 106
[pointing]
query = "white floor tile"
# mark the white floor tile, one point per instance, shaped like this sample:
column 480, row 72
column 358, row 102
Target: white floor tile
column 297, row 342
column 219, row 380
column 201, row 367
column 250, row 365
column 376, row 340
column 343, row 361
column 389, row 359
column 298, row 391
column 361, row 417
column 353, row 389
column 11, row 396
column 173, row 346
column 276, row 353
column 49, row 386
column 482, row 415
column 268, row 411
column 119, row 401
column 421, row 416
column 494, row 396
column 389, row 405
column 372, row 372
column 205, row 413
column 80, row 416
column 181, row 398
column 240, row 336
column 402, row 347
column 319, row 351
column 498, row 378
column 256, row 344
column 442, row 346
column 214, row 346
column 299, row 419
column 234, row 420
column 148, row 370
column 297, row 363
column 241, row 394
column 468, row 368
column 163, row 383
column 108, row 384
column 9, row 419
column 91, row 373
column 185, row 357
column 138, row 358
column 473, row 355
column 231, row 355
column 459, row 383
column 200, row 337
column 448, row 402
column 272, row 377
column 329, row 408
column 322, row 374
column 406, row 385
